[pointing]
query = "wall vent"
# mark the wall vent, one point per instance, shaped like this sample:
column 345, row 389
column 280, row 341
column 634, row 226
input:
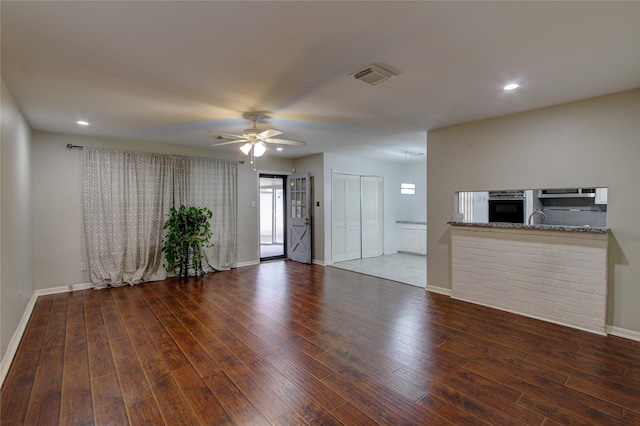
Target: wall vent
column 372, row 74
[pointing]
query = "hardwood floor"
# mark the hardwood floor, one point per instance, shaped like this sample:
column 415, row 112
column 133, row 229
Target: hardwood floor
column 286, row 343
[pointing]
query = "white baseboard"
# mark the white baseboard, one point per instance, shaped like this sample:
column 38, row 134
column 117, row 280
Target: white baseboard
column 439, row 290
column 257, row 262
column 22, row 325
column 623, row 332
column 63, row 289
column 15, row 339
column 610, row 329
column 575, row 327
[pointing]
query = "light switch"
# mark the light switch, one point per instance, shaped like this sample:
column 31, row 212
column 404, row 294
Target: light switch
column 253, row 204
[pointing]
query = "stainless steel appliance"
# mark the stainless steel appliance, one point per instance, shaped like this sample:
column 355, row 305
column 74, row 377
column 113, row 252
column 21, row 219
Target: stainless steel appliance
column 506, row 206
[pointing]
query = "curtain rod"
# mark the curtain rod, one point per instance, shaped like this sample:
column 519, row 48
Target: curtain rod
column 72, row 146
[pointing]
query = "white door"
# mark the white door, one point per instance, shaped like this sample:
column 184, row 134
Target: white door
column 353, row 226
column 372, row 213
column 299, row 217
column 345, row 217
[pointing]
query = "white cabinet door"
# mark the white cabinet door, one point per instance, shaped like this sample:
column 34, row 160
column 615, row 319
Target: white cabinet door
column 602, row 195
column 481, row 207
column 423, row 240
column 412, row 238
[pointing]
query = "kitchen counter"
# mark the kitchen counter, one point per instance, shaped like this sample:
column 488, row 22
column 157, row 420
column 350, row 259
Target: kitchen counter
column 566, row 228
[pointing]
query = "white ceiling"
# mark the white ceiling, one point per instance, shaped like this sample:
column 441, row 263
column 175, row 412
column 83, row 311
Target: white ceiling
column 169, row 71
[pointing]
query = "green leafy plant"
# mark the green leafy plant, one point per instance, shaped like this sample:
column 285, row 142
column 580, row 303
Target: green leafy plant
column 188, row 231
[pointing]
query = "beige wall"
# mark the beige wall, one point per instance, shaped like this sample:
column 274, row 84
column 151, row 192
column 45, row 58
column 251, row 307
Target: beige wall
column 590, row 143
column 16, row 251
column 58, row 228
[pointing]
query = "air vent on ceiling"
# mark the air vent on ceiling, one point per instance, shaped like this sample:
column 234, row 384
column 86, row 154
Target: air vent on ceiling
column 373, row 74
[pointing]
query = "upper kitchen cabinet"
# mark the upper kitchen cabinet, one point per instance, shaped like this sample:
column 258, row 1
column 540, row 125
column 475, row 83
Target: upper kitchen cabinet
column 601, row 195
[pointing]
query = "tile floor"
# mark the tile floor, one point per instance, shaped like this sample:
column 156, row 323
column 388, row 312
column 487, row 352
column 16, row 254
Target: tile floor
column 403, row 267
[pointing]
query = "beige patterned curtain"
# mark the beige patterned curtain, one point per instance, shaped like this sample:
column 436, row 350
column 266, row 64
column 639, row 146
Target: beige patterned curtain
column 126, row 199
column 205, row 182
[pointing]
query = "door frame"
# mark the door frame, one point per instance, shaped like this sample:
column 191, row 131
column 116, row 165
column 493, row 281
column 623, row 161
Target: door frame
column 381, row 232
column 284, row 176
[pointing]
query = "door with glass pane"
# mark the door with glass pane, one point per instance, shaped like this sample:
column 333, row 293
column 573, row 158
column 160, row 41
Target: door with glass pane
column 299, row 217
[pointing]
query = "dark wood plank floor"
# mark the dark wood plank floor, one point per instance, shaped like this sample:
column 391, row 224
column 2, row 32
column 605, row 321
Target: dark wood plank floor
column 286, row 343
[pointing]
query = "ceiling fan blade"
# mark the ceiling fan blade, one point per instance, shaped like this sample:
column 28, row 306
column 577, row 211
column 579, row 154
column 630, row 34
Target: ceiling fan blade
column 230, row 142
column 269, row 133
column 285, row 142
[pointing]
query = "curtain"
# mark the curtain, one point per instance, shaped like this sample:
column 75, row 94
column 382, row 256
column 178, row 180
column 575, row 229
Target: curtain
column 126, row 197
column 205, row 182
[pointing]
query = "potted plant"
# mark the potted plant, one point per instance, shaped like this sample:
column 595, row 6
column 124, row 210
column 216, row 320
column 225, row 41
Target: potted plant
column 188, row 231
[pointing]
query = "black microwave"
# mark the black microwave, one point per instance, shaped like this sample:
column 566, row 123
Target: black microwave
column 506, row 210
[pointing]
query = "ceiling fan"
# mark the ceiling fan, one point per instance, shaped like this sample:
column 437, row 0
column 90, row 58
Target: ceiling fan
column 255, row 140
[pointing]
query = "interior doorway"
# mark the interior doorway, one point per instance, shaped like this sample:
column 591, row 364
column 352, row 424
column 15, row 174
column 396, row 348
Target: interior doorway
column 272, row 217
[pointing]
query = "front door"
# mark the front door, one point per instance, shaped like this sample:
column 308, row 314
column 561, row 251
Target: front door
column 299, row 217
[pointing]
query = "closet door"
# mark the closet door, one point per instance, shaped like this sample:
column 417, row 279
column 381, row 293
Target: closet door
column 380, row 214
column 372, row 213
column 345, row 217
column 338, row 218
column 353, row 227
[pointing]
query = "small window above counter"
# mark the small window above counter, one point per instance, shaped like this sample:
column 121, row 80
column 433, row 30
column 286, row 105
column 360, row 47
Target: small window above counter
column 567, row 207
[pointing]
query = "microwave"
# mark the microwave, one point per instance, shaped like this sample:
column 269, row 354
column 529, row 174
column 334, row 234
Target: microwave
column 567, row 193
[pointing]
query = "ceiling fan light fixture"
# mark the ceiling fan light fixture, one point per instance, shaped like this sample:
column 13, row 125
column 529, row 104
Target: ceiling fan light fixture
column 259, row 149
column 246, row 148
column 255, row 142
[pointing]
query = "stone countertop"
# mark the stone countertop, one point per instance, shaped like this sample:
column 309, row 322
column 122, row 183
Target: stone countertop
column 411, row 222
column 566, row 228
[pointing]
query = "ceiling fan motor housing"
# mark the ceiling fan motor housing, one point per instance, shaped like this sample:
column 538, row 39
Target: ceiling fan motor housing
column 252, row 132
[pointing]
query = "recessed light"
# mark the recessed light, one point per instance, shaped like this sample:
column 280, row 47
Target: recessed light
column 511, row 86
column 82, row 123
column 279, row 148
